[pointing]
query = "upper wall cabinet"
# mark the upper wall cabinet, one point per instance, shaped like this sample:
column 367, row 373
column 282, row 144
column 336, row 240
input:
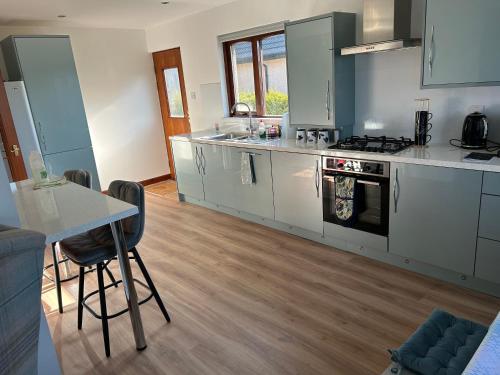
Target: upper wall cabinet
column 320, row 81
column 461, row 43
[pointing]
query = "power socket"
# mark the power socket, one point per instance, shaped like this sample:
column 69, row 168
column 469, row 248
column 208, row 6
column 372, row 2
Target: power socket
column 477, row 108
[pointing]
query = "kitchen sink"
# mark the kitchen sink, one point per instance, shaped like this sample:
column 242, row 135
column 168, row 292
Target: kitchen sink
column 226, row 137
column 236, row 138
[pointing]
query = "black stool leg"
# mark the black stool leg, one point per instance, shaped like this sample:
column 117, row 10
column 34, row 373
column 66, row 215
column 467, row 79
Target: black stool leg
column 81, row 284
column 150, row 283
column 104, row 312
column 110, row 274
column 57, row 277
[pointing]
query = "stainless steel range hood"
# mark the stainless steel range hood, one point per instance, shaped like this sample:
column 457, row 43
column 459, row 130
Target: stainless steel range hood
column 386, row 26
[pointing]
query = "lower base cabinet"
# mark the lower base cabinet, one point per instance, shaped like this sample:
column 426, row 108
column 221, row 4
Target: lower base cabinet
column 223, row 184
column 187, row 169
column 297, row 190
column 434, row 214
column 488, row 260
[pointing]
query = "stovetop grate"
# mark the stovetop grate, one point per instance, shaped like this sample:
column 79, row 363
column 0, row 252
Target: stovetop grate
column 381, row 144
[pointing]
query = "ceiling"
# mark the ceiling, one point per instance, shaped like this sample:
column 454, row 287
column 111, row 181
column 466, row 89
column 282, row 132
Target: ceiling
column 130, row 14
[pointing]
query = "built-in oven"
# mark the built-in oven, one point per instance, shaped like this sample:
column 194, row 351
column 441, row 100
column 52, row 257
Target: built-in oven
column 368, row 183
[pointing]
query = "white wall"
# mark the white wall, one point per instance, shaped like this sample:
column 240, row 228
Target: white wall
column 197, row 37
column 119, row 93
column 387, row 85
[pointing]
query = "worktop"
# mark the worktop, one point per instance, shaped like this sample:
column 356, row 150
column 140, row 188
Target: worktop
column 438, row 155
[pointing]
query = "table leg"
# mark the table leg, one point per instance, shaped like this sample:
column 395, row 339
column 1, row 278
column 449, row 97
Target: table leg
column 128, row 284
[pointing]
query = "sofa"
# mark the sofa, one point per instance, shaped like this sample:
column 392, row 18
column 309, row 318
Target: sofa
column 21, row 267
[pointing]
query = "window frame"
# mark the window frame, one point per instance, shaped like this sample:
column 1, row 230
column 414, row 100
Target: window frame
column 260, row 103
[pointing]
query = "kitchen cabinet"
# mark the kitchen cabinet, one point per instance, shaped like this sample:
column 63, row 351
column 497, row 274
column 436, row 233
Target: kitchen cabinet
column 222, row 179
column 434, row 214
column 460, row 43
column 320, row 81
column 47, row 67
column 297, row 190
column 188, row 169
column 487, row 260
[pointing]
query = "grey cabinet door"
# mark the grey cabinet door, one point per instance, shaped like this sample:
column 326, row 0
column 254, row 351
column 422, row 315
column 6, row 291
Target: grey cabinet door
column 257, row 198
column 297, row 190
column 216, row 175
column 309, row 46
column 187, row 169
column 53, row 89
column 461, row 42
column 434, row 215
column 223, row 184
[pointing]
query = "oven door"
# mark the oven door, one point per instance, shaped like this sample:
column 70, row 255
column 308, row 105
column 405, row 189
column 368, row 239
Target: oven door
column 372, row 202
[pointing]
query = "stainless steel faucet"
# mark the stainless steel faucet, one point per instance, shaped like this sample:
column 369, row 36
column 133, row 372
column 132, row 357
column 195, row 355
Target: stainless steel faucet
column 250, row 126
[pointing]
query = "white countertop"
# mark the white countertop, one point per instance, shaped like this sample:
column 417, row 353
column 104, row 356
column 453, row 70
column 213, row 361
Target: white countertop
column 439, row 155
column 63, row 211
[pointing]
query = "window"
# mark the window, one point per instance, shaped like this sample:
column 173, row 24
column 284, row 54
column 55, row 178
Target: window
column 256, row 74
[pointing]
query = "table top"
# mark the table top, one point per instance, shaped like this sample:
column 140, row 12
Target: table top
column 486, row 360
column 63, row 211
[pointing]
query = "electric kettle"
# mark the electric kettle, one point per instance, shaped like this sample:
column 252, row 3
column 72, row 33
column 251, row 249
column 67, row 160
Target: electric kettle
column 475, row 131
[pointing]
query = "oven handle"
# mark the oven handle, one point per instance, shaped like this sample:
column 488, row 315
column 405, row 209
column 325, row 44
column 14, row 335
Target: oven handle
column 372, row 183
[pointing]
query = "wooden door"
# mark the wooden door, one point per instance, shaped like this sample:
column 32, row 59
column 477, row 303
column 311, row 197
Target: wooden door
column 172, row 94
column 9, row 137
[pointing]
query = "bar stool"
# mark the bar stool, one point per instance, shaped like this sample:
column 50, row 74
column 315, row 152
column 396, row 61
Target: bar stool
column 97, row 247
column 83, row 178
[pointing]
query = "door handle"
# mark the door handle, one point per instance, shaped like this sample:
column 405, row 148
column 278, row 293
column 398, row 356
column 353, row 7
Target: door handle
column 396, row 191
column 328, row 100
column 196, row 158
column 15, row 150
column 317, row 178
column 431, row 52
column 203, row 161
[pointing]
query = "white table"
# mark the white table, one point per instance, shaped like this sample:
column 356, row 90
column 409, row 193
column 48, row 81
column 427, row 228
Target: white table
column 64, row 211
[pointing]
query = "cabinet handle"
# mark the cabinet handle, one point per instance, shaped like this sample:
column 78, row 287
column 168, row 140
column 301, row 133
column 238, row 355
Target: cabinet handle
column 396, row 191
column 317, row 178
column 328, row 100
column 197, row 160
column 203, row 161
column 431, row 52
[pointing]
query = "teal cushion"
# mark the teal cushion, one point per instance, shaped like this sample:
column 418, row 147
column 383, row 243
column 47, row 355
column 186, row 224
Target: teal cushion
column 443, row 345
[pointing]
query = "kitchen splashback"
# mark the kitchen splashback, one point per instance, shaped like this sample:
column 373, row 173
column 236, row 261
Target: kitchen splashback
column 386, row 88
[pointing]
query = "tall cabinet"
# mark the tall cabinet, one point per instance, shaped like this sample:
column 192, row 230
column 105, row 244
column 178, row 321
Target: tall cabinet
column 46, row 66
column 460, row 43
column 320, row 80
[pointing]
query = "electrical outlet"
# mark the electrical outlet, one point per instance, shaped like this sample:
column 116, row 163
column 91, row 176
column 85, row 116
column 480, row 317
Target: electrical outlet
column 476, row 108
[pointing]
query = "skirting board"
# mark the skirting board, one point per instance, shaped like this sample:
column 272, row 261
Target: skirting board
column 456, row 278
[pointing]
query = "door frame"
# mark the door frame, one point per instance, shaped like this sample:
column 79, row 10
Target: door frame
column 9, row 137
column 168, row 122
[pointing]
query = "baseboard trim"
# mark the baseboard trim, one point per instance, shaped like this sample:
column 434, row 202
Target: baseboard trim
column 151, row 181
column 155, row 180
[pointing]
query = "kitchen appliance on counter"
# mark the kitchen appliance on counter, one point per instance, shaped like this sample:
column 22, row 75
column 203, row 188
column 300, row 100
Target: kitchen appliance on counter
column 371, row 201
column 475, row 131
column 373, row 144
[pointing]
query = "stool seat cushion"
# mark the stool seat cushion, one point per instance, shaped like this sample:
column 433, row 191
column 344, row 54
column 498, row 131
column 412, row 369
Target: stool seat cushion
column 443, row 345
column 91, row 247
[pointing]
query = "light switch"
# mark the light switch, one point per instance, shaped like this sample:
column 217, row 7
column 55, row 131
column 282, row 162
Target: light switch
column 193, row 95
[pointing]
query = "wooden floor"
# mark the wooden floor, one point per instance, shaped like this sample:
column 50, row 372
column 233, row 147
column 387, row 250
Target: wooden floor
column 246, row 299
